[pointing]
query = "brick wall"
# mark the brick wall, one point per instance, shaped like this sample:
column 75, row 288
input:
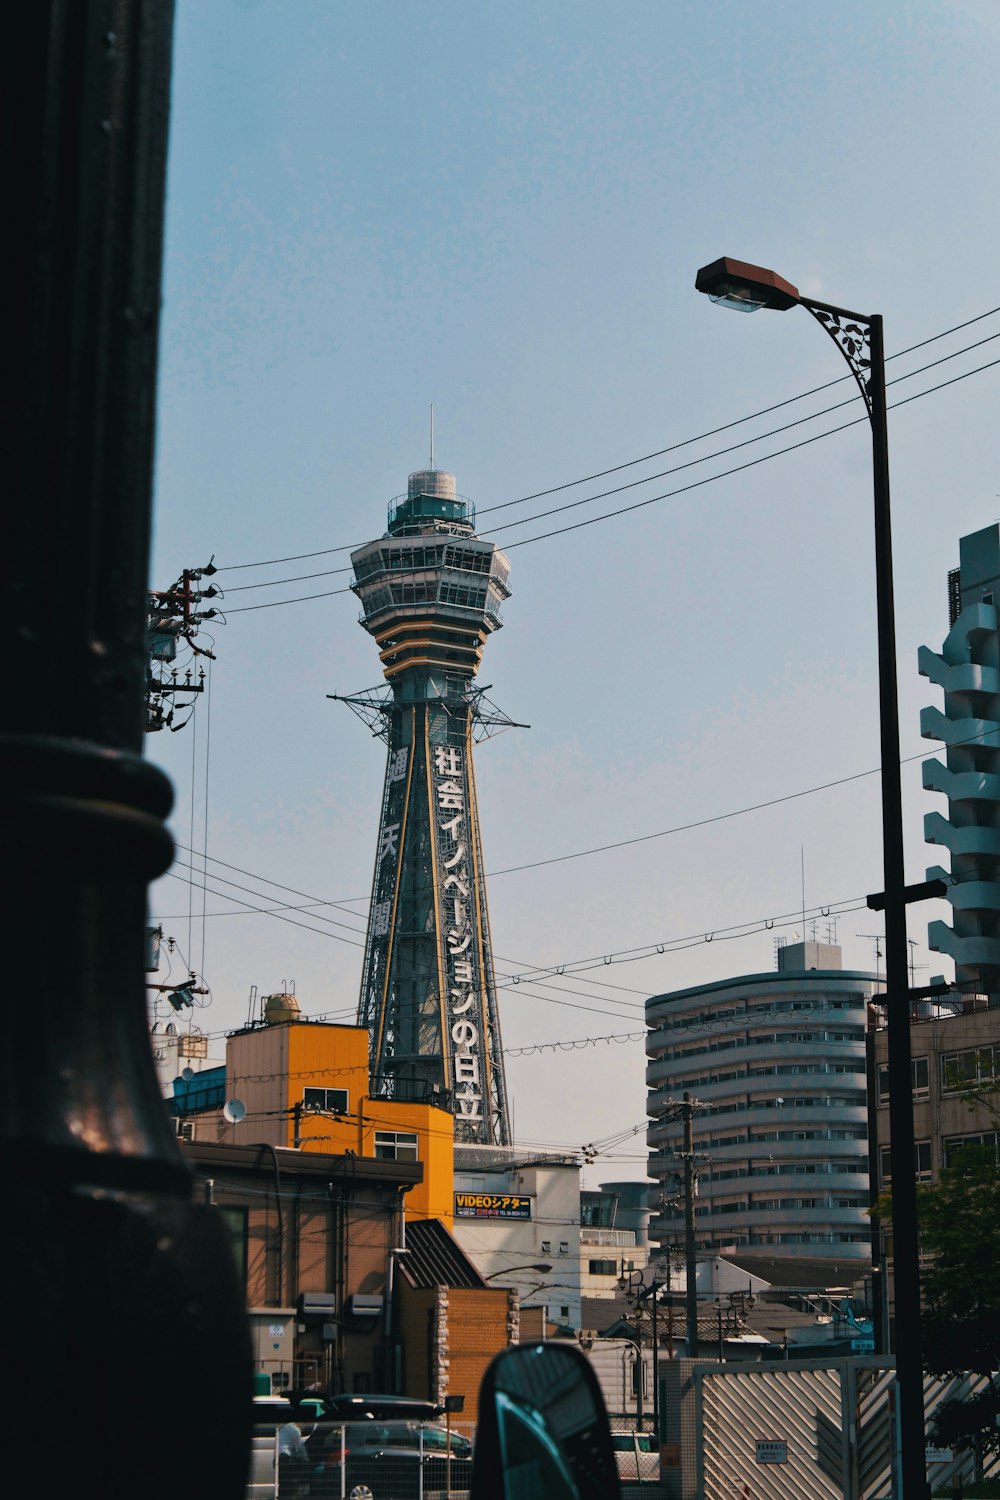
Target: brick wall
column 449, row 1335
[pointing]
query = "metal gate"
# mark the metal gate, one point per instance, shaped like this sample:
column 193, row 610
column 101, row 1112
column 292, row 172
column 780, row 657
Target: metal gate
column 803, row 1431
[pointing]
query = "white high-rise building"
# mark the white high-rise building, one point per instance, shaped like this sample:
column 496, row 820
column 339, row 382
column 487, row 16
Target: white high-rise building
column 776, row 1063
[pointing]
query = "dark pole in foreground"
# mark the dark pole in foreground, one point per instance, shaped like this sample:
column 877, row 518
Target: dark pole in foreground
column 906, row 1341
column 858, row 336
column 690, row 1249
column 654, row 1293
column 122, row 1289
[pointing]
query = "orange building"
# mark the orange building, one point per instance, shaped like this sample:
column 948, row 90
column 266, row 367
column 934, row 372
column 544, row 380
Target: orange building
column 305, row 1083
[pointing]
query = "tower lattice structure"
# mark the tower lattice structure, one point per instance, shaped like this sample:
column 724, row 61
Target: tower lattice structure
column 431, row 592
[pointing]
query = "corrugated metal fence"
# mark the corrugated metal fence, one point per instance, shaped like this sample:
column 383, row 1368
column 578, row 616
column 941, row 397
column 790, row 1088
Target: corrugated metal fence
column 797, row 1431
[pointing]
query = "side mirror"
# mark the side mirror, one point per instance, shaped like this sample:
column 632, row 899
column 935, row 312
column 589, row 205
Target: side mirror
column 543, row 1430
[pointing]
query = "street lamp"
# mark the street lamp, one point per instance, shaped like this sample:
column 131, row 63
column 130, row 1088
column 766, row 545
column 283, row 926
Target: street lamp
column 541, row 1266
column 858, row 336
column 639, row 1292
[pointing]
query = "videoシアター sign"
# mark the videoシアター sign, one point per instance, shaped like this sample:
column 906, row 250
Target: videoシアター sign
column 491, row 1206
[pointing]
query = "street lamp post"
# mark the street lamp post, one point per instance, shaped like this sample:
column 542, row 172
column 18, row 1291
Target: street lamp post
column 638, row 1292
column 858, row 336
column 541, row 1266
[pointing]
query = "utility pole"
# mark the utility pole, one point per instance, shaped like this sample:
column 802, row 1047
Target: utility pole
column 690, row 1254
column 685, row 1111
column 170, row 619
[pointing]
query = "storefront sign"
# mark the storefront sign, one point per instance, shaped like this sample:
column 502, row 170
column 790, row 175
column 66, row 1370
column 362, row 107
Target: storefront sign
column 491, row 1206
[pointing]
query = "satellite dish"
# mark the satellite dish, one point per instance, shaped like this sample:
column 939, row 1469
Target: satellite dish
column 233, row 1111
column 187, row 1074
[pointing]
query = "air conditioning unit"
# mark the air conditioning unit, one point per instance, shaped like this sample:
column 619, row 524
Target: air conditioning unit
column 318, row 1305
column 362, row 1306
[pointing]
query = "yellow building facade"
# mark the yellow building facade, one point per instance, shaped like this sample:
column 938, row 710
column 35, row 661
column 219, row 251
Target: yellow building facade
column 306, row 1084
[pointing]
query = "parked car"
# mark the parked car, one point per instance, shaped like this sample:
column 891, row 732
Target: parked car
column 636, row 1457
column 383, row 1460
column 352, row 1408
column 279, row 1450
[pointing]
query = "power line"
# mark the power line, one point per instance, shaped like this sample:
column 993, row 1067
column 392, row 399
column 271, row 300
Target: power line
column 648, row 457
column 655, row 948
column 747, row 443
column 641, row 838
column 610, row 515
column 652, row 499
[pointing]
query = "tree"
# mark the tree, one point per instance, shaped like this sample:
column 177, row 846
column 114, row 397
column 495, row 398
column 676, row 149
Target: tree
column 960, row 1229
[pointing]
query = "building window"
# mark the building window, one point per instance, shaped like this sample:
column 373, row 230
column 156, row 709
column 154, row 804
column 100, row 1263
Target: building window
column 603, row 1267
column 921, row 1161
column 235, row 1220
column 395, row 1145
column 334, row 1101
column 953, row 1144
column 920, row 1074
column 969, row 1069
column 921, row 1078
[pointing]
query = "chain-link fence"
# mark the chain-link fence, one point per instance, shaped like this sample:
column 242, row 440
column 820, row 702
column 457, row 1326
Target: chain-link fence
column 298, row 1459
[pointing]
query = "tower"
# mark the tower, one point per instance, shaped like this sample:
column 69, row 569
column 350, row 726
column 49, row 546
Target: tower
column 431, row 592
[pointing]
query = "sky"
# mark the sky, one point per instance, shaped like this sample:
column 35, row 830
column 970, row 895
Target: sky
column 500, row 209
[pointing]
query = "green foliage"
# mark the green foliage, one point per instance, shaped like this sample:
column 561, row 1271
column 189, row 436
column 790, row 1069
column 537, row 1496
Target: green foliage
column 960, row 1228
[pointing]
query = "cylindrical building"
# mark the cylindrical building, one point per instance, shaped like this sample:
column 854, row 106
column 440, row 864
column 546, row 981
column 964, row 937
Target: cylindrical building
column 431, row 593
column 776, row 1063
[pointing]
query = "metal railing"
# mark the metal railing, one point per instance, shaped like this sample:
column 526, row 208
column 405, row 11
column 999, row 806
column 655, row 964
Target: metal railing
column 296, row 1458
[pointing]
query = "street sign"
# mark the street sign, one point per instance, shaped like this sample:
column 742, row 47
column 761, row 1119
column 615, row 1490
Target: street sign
column 940, row 1455
column 772, row 1451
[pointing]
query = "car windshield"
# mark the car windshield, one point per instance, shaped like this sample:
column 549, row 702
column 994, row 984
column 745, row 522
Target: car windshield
column 626, row 1442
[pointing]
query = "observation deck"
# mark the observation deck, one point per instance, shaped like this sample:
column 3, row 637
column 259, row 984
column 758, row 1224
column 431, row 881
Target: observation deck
column 431, row 591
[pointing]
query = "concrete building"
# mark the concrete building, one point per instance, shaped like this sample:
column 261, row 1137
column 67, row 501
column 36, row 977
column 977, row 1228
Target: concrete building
column 614, row 1235
column 180, row 1053
column 967, row 669
column 953, row 1050
column 776, row 1063
column 517, row 1217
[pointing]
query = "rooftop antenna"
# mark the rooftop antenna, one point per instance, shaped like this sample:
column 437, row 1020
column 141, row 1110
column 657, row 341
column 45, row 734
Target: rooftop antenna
column 432, row 436
column 914, row 966
column 877, row 938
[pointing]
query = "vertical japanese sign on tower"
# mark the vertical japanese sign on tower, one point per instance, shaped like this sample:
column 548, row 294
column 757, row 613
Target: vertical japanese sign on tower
column 431, row 592
column 462, row 971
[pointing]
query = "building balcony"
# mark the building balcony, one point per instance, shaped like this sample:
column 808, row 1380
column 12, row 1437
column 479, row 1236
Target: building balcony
column 669, row 1073
column 624, row 1239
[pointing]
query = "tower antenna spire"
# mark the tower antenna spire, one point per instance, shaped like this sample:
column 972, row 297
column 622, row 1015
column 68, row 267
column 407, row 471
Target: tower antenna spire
column 432, row 436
